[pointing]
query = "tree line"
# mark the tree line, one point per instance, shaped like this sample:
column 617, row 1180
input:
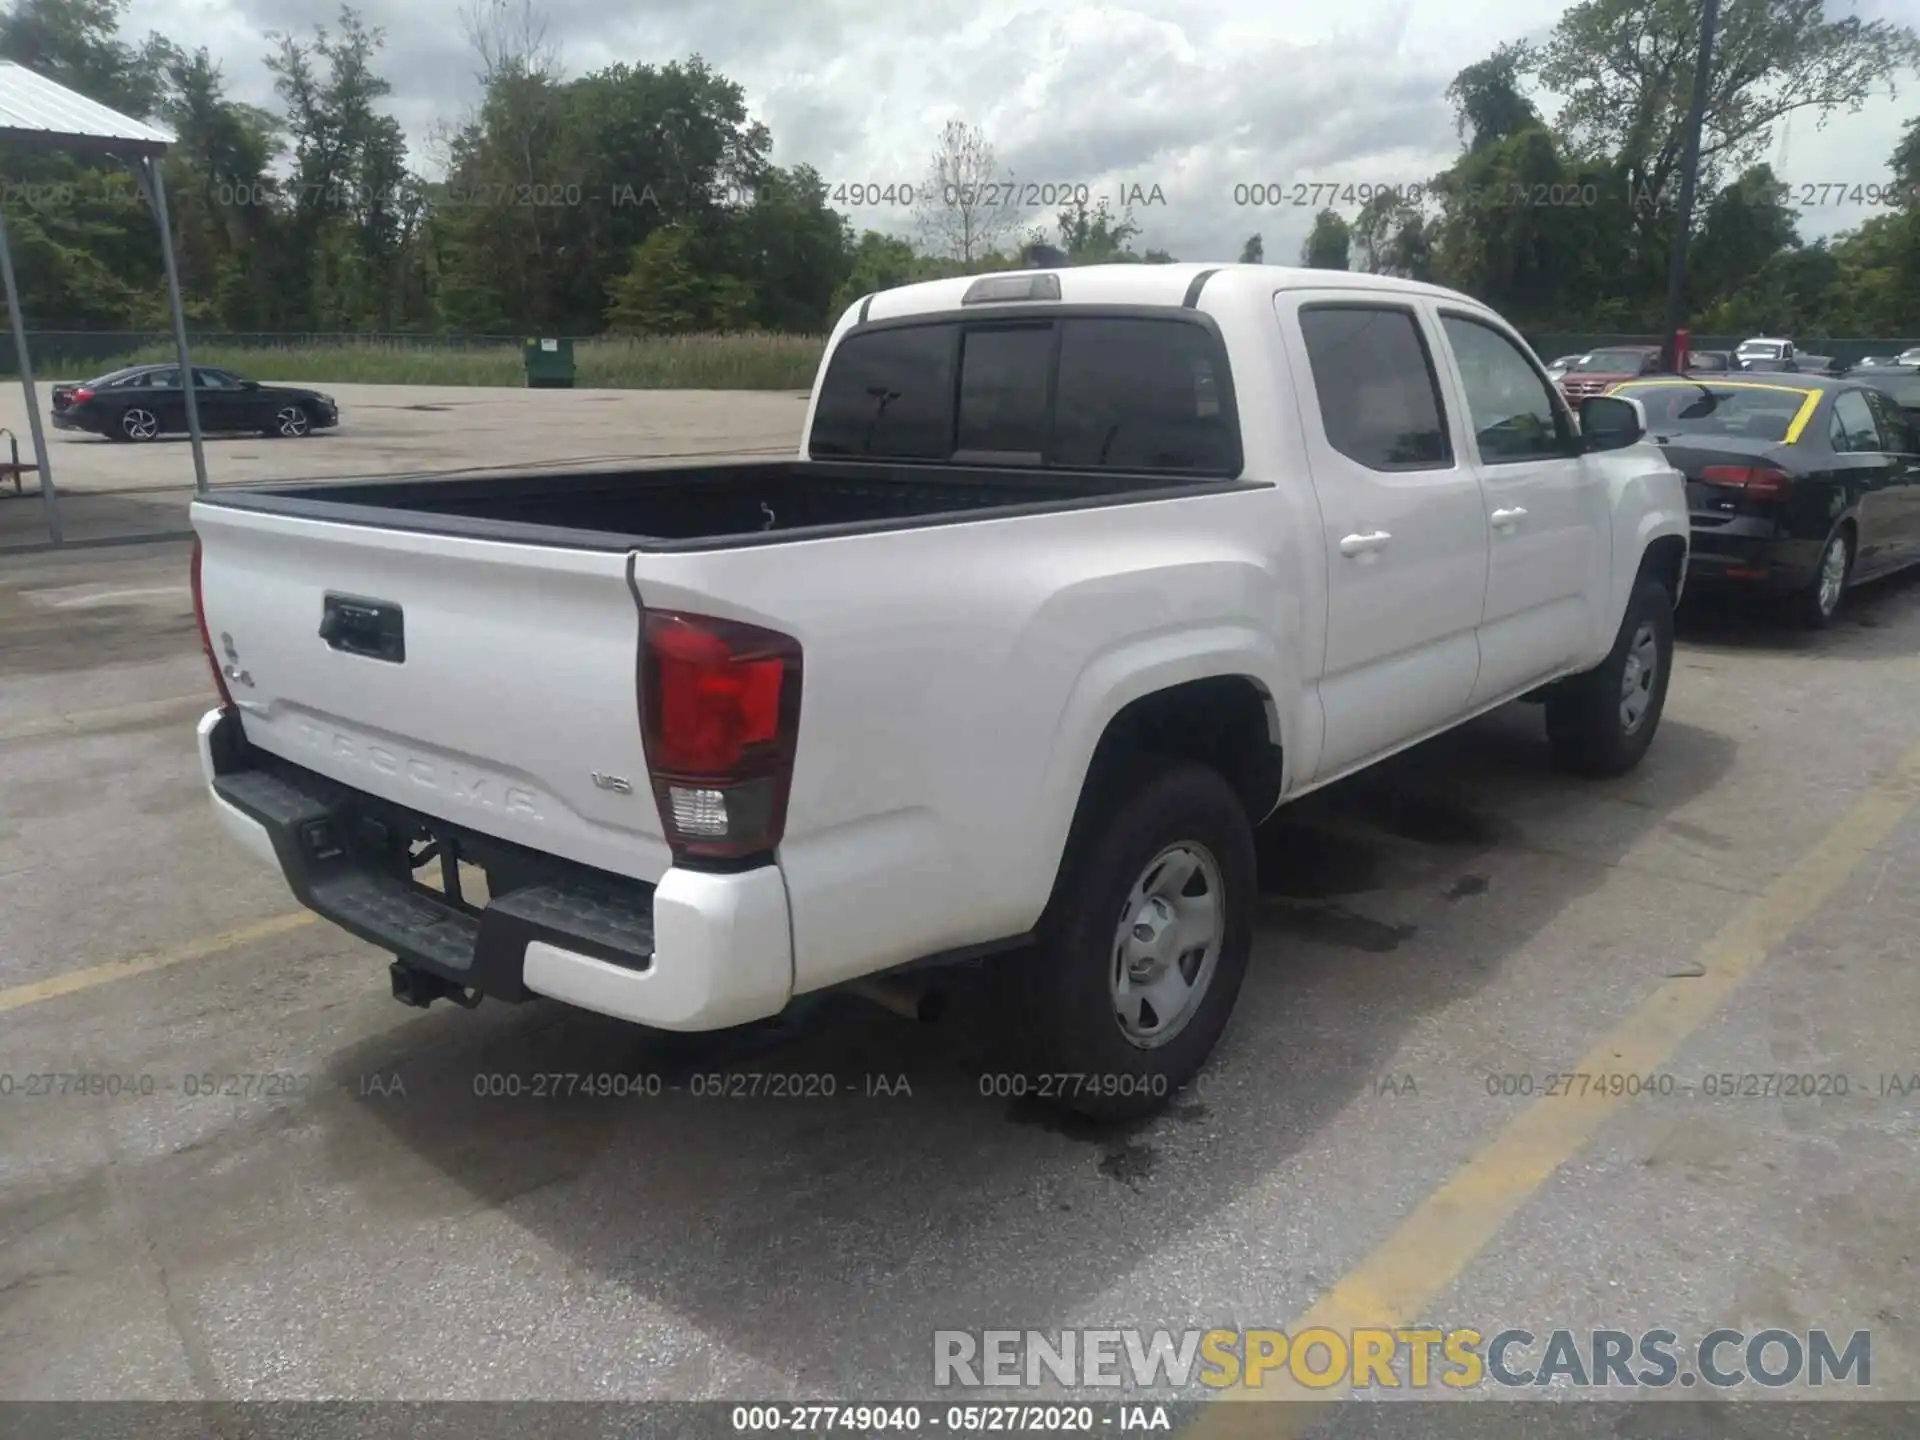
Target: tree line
column 642, row 198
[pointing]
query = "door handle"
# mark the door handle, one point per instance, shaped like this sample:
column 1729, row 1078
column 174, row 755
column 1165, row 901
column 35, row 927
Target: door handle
column 1362, row 544
column 1507, row 519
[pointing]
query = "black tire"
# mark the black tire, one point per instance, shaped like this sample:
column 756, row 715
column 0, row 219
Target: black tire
column 1810, row 607
column 1587, row 724
column 1068, row 1046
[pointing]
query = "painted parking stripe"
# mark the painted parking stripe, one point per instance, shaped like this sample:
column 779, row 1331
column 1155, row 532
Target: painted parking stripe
column 84, row 722
column 18, row 997
column 1393, row 1286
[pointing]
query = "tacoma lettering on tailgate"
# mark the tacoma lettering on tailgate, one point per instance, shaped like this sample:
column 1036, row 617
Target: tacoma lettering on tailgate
column 481, row 792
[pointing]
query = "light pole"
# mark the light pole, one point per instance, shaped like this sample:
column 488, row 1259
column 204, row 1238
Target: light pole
column 1683, row 215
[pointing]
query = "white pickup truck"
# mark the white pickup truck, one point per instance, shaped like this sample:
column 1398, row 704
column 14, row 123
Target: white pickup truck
column 1078, row 575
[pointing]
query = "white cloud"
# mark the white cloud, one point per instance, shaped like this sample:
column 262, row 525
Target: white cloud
column 1194, row 96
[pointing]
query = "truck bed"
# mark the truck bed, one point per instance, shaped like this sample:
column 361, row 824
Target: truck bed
column 705, row 506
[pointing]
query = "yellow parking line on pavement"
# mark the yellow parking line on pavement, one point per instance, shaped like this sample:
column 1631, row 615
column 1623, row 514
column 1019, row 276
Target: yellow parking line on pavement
column 54, row 986
column 19, row 996
column 82, row 722
column 1409, row 1270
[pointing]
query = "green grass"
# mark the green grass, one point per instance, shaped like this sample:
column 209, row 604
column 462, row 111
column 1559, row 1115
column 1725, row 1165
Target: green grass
column 678, row 362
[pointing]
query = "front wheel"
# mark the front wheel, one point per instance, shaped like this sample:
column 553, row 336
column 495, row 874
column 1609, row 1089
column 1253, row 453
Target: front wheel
column 290, row 422
column 1602, row 722
column 1142, row 957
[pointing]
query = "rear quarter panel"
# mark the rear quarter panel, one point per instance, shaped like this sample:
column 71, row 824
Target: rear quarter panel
column 956, row 681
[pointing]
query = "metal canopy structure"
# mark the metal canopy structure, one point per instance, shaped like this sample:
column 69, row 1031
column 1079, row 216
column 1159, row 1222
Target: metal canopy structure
column 36, row 112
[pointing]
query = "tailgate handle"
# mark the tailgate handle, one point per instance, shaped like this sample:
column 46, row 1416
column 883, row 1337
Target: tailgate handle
column 373, row 628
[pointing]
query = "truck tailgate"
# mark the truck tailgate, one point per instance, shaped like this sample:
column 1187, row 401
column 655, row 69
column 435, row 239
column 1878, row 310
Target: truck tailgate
column 485, row 683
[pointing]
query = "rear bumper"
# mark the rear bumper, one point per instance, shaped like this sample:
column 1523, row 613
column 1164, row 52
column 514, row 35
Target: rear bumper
column 698, row 951
column 1751, row 555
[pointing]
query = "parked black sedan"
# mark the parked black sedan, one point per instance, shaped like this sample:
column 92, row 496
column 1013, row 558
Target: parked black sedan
column 1798, row 484
column 144, row 402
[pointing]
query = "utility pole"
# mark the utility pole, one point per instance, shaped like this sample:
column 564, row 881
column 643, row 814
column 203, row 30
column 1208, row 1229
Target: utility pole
column 1683, row 215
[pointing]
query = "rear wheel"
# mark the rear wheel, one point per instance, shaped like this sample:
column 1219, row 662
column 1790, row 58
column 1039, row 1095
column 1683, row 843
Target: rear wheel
column 1820, row 602
column 1602, row 722
column 136, row 424
column 1142, row 957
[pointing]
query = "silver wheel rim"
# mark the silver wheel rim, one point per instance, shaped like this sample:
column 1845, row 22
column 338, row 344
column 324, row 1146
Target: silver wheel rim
column 1167, row 944
column 1833, row 574
column 140, row 424
column 1637, row 679
column 291, row 421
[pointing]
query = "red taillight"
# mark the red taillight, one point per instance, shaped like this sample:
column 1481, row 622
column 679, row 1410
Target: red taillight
column 1760, row 483
column 80, row 394
column 719, row 715
column 206, row 636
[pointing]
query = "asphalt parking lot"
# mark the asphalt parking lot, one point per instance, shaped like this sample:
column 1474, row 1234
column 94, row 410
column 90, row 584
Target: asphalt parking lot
column 114, row 490
column 376, row 1227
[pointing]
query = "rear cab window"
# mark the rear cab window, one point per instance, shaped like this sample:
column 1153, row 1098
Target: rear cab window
column 1136, row 392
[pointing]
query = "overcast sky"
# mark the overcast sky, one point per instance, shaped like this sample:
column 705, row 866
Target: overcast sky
column 1193, row 96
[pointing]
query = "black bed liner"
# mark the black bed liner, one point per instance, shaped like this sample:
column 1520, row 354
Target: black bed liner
column 706, row 507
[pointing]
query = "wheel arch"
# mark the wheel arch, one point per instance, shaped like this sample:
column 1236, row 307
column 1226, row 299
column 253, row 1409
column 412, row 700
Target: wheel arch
column 1229, row 721
column 1665, row 560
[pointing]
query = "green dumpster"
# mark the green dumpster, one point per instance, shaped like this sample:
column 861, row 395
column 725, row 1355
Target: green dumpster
column 549, row 364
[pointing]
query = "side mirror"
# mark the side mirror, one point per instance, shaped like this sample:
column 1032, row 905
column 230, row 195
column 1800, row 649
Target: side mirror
column 249, row 384
column 1611, row 422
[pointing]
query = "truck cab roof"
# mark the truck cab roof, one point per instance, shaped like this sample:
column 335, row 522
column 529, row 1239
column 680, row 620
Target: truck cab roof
column 1180, row 285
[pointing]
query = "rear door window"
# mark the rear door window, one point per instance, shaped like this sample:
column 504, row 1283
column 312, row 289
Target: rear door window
column 1895, row 429
column 1854, row 429
column 1379, row 395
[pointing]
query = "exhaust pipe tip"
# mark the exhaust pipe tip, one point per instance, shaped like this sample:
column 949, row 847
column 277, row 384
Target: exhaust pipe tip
column 909, row 1003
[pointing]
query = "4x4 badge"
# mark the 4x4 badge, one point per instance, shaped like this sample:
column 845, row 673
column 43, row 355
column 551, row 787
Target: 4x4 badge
column 232, row 671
